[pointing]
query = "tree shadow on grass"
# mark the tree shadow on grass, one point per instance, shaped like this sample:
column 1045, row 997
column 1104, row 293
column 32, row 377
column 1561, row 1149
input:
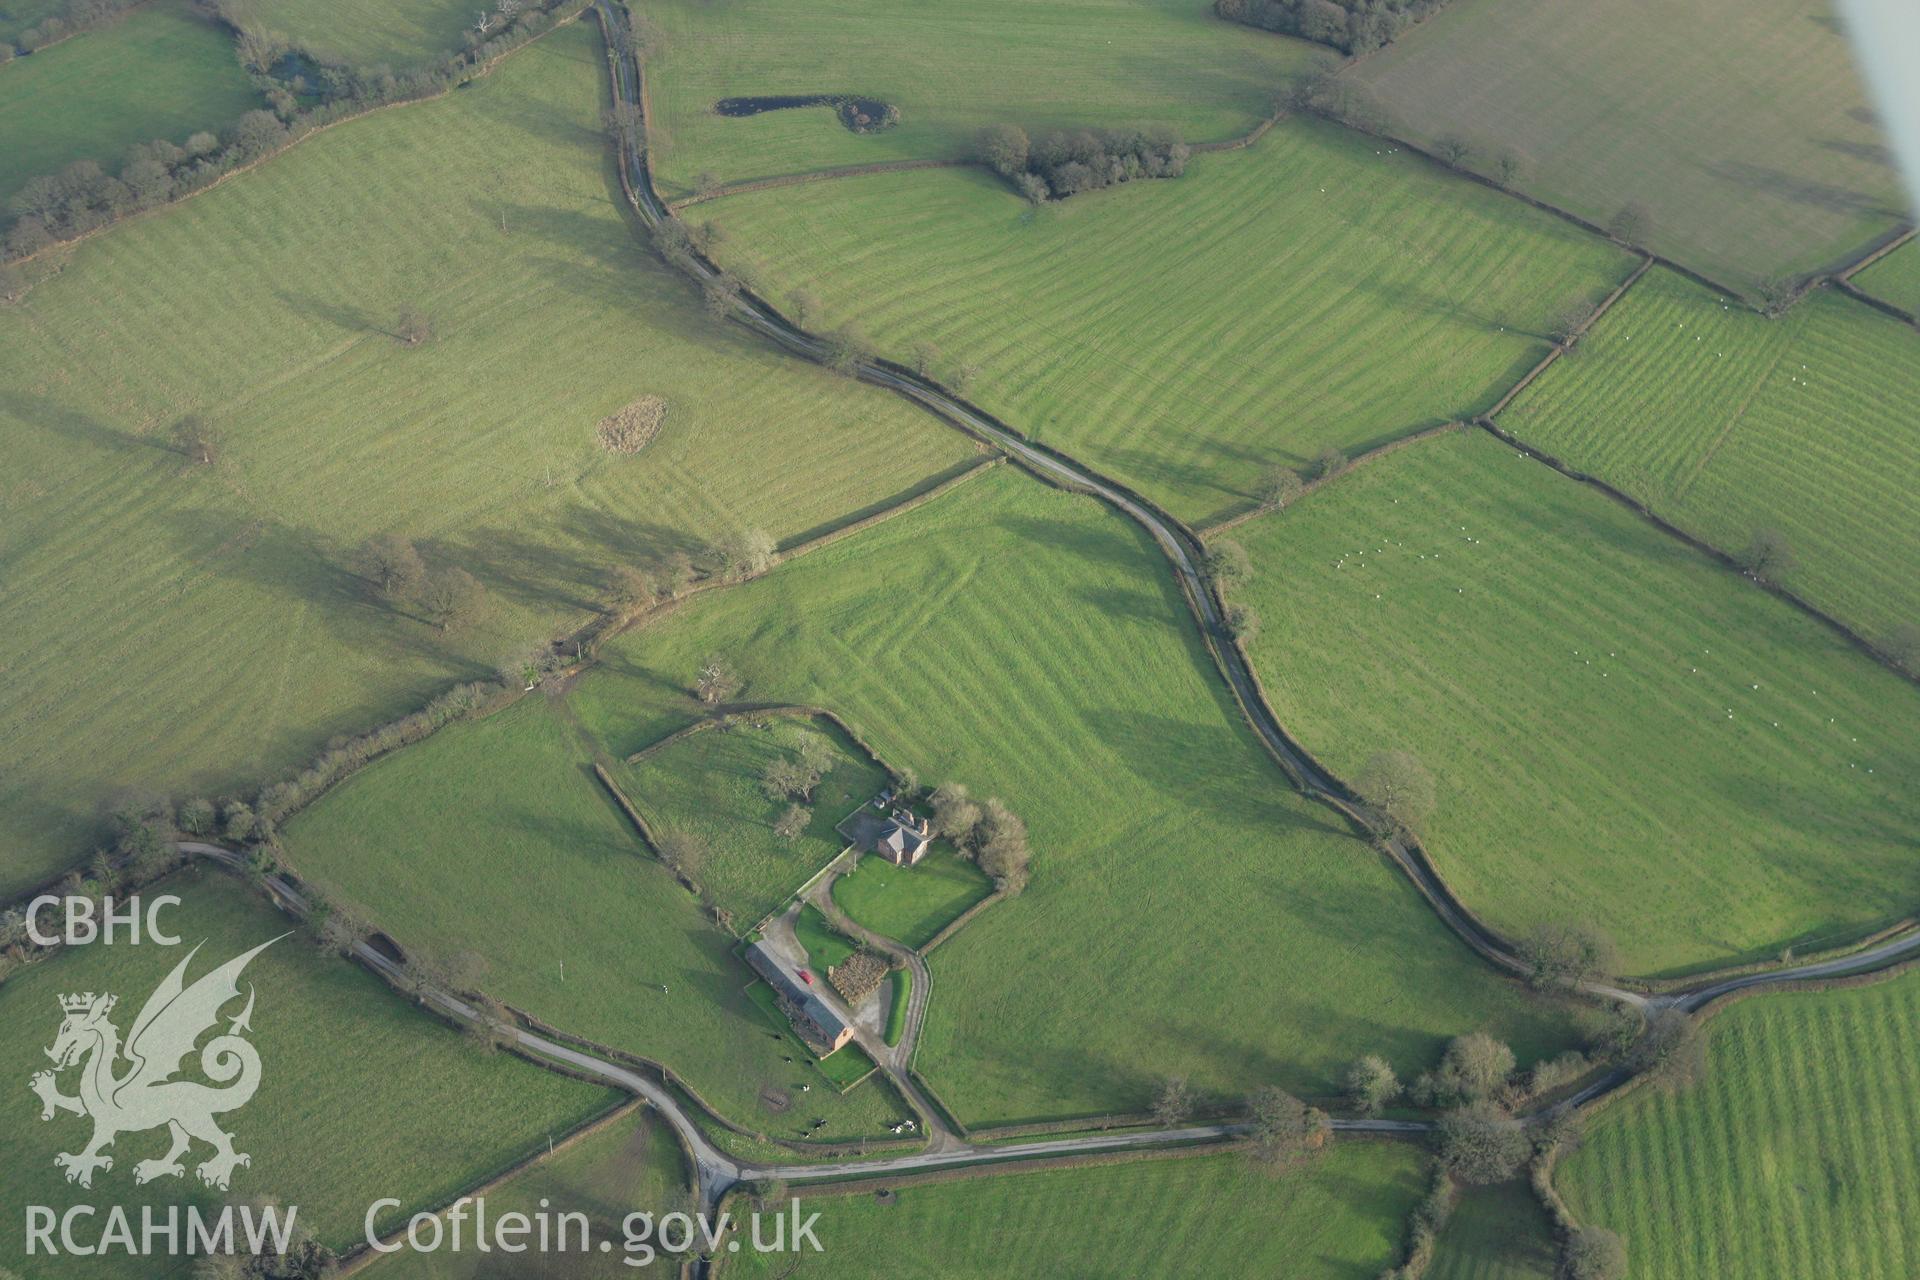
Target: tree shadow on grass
column 76, row 426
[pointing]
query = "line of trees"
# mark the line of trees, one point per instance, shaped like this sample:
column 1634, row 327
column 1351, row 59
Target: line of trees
column 74, row 17
column 1059, row 164
column 990, row 833
column 302, row 92
column 1351, row 26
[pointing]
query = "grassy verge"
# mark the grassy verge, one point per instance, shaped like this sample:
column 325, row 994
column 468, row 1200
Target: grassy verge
column 1707, row 772
column 900, row 996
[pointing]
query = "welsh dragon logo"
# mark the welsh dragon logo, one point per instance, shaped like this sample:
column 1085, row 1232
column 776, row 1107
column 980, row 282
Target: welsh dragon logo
column 144, row 1095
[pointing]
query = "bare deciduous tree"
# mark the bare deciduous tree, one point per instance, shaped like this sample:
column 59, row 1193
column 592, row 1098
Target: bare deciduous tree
column 198, row 439
column 412, row 328
column 1397, row 785
column 452, row 598
column 716, row 681
column 1767, row 556
column 1172, row 1102
column 393, row 566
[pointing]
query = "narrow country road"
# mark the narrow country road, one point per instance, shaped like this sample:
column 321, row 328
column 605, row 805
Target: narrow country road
column 1181, row 546
column 716, row 1171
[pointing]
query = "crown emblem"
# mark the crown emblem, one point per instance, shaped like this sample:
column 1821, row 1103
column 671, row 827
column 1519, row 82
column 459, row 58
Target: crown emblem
column 83, row 1003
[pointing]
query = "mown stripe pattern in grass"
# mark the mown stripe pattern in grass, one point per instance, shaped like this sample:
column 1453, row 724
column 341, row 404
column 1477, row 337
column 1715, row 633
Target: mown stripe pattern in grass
column 1315, row 290
column 1623, row 732
column 1797, row 1156
column 1725, row 422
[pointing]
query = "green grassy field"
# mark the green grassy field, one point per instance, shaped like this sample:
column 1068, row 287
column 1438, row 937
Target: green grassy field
column 1621, row 731
column 159, row 72
column 1033, row 646
column 1338, row 1218
column 708, row 785
column 634, row 1165
column 1310, row 291
column 366, row 33
column 501, row 821
column 1740, row 126
column 951, row 69
column 1796, row 1156
column 911, row 904
column 361, row 1096
column 185, row 629
column 1896, row 277
column 1496, row 1233
column 1724, row 422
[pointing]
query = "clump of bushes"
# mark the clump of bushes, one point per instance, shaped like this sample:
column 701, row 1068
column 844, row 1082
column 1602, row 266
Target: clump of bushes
column 631, row 428
column 1060, row 164
column 74, row 17
column 303, row 93
column 1351, row 26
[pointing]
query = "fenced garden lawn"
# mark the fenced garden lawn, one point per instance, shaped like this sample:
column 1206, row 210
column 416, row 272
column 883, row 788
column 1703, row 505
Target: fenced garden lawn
column 1795, row 1156
column 911, row 904
column 1311, row 291
column 634, row 1165
column 214, row 627
column 494, row 839
column 709, row 785
column 1739, row 128
column 343, row 1060
column 1726, row 423
column 1340, row 1217
column 950, row 69
column 1032, row 645
column 159, row 72
column 1621, row 731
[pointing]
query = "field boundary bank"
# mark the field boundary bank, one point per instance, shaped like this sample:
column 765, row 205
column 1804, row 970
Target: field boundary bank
column 1708, row 549
column 1878, row 303
column 1889, row 244
column 604, row 625
column 1208, row 532
column 748, row 186
column 469, row 74
column 1555, row 351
